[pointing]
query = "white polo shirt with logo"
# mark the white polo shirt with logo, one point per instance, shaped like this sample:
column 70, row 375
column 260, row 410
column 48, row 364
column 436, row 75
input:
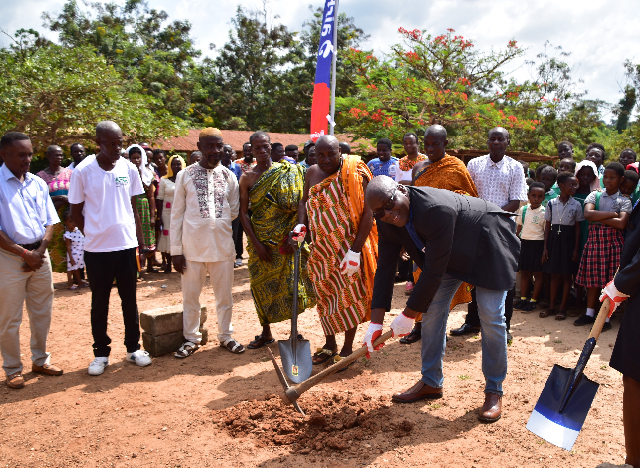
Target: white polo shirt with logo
column 109, row 222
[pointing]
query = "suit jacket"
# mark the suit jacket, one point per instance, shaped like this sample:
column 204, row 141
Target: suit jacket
column 625, row 357
column 469, row 238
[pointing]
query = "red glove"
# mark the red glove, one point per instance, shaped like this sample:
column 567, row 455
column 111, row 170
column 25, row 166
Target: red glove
column 615, row 296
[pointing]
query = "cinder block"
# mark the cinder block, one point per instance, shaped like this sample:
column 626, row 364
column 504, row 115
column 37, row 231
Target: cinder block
column 166, row 320
column 169, row 342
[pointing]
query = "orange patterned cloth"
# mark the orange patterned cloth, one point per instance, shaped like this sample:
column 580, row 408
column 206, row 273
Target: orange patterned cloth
column 334, row 209
column 449, row 173
column 405, row 164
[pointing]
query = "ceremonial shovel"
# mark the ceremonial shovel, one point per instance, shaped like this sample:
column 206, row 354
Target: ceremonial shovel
column 294, row 353
column 291, row 394
column 567, row 396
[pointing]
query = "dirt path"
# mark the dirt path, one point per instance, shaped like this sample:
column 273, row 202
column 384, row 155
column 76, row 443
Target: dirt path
column 171, row 413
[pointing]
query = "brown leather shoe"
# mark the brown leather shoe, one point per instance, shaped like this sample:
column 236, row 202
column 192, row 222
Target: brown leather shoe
column 15, row 380
column 47, row 369
column 419, row 391
column 492, row 409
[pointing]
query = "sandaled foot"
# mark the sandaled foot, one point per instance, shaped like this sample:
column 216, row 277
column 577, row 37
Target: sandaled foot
column 186, row 350
column 233, row 346
column 561, row 315
column 415, row 335
column 73, row 287
column 547, row 312
column 84, row 284
column 337, row 358
column 322, row 355
column 260, row 341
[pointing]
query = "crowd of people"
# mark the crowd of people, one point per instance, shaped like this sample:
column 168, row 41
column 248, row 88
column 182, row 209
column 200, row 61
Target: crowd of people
column 493, row 234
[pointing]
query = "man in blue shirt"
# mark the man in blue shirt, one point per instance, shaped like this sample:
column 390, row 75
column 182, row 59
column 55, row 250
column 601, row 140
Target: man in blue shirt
column 384, row 164
column 27, row 216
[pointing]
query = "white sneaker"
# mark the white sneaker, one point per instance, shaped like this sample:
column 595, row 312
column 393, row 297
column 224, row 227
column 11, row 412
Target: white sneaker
column 238, row 263
column 98, row 365
column 140, row 357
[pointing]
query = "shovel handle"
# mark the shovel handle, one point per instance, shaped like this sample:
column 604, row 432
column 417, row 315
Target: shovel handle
column 596, row 329
column 360, row 352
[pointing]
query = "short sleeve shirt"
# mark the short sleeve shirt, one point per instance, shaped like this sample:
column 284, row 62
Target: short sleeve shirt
column 566, row 214
column 615, row 202
column 533, row 227
column 498, row 182
column 387, row 168
column 109, row 222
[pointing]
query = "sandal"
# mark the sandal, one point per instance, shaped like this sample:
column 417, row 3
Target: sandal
column 73, row 287
column 561, row 315
column 259, row 342
column 233, row 346
column 414, row 336
column 323, row 354
column 186, row 350
column 545, row 313
column 337, row 358
column 84, row 284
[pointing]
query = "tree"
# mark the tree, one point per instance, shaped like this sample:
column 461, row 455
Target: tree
column 57, row 94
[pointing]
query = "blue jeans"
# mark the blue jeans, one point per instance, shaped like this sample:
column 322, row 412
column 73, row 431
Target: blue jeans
column 494, row 335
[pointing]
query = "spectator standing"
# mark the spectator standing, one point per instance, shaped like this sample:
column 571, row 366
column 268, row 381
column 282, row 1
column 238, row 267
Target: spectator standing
column 103, row 196
column 384, row 164
column 78, row 153
column 164, row 205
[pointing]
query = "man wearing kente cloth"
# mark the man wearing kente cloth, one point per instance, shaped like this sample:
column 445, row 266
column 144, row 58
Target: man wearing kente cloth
column 445, row 172
column 274, row 190
column 344, row 248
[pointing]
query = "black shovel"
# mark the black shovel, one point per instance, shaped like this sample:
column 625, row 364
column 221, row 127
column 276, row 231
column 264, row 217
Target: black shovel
column 567, row 396
column 295, row 353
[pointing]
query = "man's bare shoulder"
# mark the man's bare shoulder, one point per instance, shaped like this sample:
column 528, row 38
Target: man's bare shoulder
column 315, row 175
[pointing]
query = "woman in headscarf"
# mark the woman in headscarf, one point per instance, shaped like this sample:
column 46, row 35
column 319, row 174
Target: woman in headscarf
column 145, row 204
column 165, row 200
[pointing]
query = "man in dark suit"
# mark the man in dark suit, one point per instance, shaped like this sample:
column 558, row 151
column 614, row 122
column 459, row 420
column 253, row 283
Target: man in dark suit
column 455, row 239
column 625, row 357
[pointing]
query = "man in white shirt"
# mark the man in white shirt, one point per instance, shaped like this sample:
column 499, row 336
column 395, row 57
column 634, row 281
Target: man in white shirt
column 500, row 180
column 205, row 202
column 27, row 216
column 102, row 195
column 78, row 154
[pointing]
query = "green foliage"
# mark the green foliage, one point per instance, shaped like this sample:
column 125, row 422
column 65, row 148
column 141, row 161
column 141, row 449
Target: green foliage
column 57, row 94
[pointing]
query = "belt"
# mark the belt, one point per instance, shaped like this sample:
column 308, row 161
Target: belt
column 32, row 246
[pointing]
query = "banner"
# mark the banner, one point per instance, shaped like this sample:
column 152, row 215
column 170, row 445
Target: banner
column 322, row 86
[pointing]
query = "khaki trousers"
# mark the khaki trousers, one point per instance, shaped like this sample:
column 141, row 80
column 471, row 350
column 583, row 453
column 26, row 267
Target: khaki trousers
column 17, row 287
column 221, row 275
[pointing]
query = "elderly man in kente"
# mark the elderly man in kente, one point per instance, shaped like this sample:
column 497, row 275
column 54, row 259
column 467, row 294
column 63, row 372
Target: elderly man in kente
column 205, row 203
column 344, row 248
column 27, row 217
column 274, row 190
column 445, row 172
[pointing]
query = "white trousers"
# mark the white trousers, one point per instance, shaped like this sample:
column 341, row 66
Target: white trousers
column 17, row 287
column 221, row 276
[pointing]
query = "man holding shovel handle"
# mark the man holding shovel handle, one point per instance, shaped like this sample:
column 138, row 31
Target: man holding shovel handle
column 455, row 239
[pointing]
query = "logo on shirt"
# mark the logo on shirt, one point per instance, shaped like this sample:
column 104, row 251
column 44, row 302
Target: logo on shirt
column 122, row 181
column 535, row 219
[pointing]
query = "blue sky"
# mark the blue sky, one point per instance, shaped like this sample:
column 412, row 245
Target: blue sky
column 600, row 35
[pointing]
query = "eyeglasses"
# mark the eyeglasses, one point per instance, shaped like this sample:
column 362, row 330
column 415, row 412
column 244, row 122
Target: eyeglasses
column 388, row 206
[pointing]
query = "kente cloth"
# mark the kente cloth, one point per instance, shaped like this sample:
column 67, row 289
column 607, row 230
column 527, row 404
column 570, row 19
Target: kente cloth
column 405, row 164
column 245, row 166
column 449, row 173
column 274, row 205
column 148, row 229
column 334, row 209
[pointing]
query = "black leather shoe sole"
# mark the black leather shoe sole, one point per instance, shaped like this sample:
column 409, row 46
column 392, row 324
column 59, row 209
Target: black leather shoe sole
column 465, row 331
column 429, row 396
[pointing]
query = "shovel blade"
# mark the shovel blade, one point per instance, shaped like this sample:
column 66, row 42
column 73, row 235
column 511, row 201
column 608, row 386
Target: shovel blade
column 296, row 359
column 562, row 428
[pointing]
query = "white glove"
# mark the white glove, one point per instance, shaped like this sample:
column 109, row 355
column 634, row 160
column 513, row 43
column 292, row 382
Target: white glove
column 299, row 232
column 615, row 296
column 402, row 325
column 373, row 332
column 350, row 263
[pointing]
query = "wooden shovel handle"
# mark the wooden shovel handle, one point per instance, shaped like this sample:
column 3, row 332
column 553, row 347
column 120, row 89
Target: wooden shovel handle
column 314, row 380
column 596, row 329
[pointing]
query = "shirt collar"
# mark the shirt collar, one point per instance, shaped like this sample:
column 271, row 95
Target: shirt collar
column 614, row 196
column 498, row 164
column 7, row 174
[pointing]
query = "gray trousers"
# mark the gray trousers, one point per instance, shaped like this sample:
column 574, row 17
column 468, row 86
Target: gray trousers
column 17, row 287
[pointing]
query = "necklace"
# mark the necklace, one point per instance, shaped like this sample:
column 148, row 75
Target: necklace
column 560, row 216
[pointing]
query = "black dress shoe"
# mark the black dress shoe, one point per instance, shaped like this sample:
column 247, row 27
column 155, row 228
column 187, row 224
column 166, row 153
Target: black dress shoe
column 465, row 329
column 519, row 304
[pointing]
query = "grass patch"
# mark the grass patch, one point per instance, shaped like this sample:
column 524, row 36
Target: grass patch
column 464, row 377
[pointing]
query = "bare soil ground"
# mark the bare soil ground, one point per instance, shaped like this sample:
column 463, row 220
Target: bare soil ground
column 183, row 413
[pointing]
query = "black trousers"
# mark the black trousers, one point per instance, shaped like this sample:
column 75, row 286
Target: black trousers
column 236, row 227
column 102, row 269
column 472, row 312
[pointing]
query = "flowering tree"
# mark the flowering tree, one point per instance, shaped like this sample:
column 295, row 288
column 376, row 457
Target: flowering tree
column 428, row 80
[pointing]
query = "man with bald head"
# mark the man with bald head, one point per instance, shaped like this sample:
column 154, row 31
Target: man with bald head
column 344, row 250
column 454, row 239
column 102, row 195
column 500, row 180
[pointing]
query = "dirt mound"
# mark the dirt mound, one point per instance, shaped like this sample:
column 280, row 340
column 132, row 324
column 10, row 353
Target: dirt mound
column 332, row 421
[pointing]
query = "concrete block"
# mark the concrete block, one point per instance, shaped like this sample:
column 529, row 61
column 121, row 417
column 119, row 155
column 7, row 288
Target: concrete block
column 166, row 320
column 169, row 342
